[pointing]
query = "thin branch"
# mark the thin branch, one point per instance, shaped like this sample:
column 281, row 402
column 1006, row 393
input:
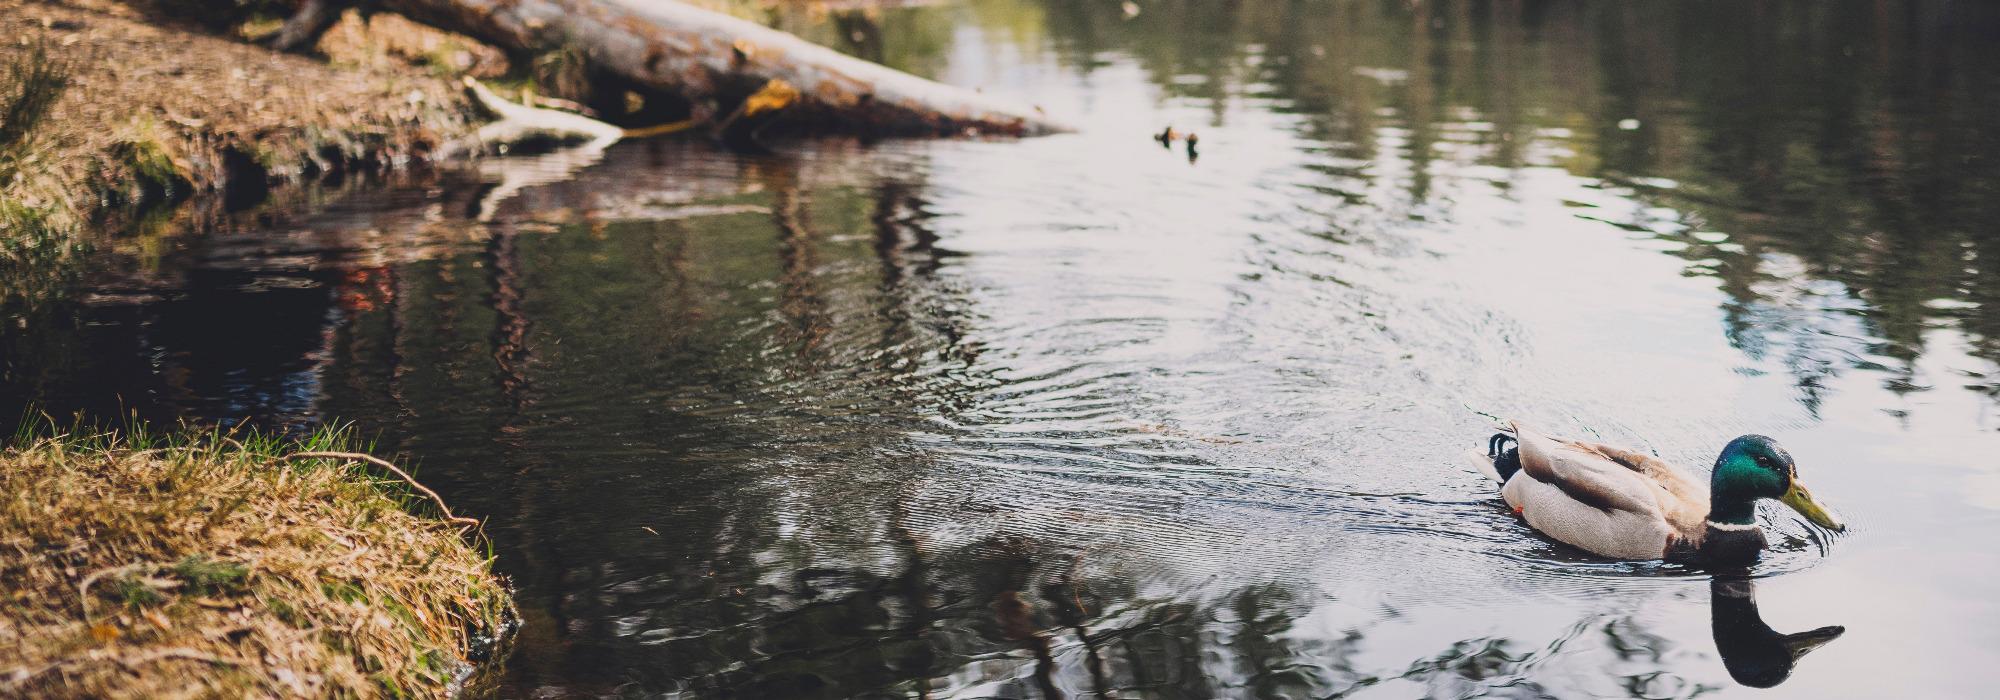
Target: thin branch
column 83, row 588
column 19, row 677
column 393, row 469
column 133, row 662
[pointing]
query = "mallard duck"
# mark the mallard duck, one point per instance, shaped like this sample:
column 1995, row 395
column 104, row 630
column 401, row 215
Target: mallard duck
column 1621, row 504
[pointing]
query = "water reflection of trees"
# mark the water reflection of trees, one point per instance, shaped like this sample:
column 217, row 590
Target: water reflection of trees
column 1830, row 164
column 1877, row 180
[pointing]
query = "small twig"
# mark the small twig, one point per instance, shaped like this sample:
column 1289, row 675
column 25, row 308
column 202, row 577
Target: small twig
column 662, row 129
column 18, row 677
column 134, row 662
column 1495, row 418
column 393, row 469
column 83, row 588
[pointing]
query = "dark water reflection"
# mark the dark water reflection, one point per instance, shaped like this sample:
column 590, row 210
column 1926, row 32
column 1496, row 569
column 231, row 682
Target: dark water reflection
column 1073, row 416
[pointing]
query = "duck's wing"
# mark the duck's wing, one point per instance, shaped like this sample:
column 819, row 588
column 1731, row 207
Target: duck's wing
column 1683, row 500
column 1581, row 496
column 1585, row 474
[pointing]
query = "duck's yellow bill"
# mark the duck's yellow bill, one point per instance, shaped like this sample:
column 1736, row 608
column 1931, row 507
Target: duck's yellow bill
column 1802, row 501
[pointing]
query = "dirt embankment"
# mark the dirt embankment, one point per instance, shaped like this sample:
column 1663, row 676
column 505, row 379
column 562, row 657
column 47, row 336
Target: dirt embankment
column 150, row 111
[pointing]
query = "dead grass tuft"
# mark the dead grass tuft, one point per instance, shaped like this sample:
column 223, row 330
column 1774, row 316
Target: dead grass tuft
column 29, row 86
column 207, row 566
column 33, row 243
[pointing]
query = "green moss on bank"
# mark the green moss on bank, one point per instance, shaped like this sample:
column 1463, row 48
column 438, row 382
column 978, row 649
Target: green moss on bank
column 208, row 566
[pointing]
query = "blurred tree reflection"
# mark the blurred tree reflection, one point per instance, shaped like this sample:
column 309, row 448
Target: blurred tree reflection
column 1831, row 164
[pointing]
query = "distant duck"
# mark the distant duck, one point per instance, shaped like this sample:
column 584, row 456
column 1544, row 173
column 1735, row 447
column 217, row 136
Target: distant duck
column 1621, row 504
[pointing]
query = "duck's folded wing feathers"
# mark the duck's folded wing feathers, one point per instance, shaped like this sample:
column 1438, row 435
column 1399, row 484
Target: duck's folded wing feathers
column 1586, row 474
column 1683, row 500
column 1676, row 481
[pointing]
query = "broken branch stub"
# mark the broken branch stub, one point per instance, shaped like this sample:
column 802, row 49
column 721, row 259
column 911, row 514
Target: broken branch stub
column 307, row 24
column 714, row 61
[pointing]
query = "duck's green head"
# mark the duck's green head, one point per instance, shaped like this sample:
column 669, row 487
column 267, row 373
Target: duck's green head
column 1753, row 467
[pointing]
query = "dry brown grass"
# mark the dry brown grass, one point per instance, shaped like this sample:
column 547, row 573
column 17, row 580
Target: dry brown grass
column 211, row 567
column 388, row 41
column 196, row 97
column 156, row 112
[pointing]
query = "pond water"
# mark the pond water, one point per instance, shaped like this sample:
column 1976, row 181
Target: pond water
column 1084, row 415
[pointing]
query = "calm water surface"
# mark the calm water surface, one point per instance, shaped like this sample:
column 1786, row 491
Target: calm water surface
column 1084, row 416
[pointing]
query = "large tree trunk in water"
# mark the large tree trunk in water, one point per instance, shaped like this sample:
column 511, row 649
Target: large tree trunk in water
column 716, row 61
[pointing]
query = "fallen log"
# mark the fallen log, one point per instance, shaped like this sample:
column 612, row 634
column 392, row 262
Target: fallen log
column 715, row 62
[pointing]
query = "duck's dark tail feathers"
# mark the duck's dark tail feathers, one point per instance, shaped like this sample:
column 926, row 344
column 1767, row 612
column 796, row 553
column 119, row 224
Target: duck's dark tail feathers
column 1506, row 458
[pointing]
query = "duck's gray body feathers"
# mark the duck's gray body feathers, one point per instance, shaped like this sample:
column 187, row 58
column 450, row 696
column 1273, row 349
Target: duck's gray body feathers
column 1608, row 501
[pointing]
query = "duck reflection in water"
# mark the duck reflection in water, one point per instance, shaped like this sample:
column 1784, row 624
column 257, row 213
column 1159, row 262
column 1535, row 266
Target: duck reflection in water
column 1755, row 654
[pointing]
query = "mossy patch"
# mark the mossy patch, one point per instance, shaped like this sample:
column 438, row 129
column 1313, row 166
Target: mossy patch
column 143, row 173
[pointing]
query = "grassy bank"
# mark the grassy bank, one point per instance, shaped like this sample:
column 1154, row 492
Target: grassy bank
column 112, row 114
column 132, row 566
